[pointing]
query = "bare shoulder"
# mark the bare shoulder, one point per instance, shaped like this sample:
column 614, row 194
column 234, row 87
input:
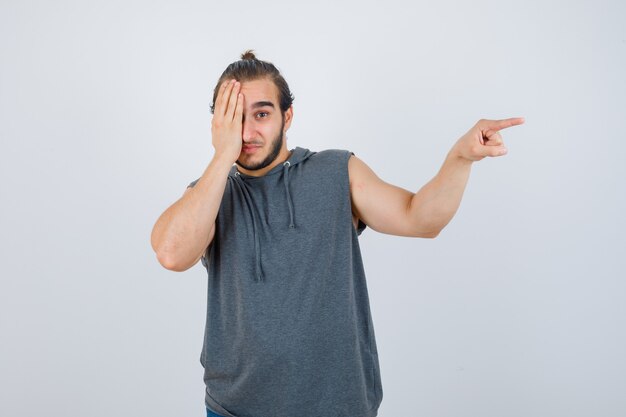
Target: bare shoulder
column 356, row 171
column 360, row 173
column 361, row 178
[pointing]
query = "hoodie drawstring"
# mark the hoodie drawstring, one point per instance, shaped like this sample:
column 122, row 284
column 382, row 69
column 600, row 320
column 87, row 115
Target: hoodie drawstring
column 286, row 165
column 255, row 229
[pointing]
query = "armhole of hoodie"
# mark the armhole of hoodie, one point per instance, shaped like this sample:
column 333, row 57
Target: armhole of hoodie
column 205, row 257
column 361, row 226
column 192, row 183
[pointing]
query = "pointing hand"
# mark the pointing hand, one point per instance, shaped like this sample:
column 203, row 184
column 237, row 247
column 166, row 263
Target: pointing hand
column 484, row 139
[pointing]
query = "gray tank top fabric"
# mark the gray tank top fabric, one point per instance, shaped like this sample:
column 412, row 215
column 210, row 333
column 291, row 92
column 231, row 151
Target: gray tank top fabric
column 289, row 331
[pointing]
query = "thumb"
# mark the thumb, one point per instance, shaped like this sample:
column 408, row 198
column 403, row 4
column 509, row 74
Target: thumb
column 493, row 151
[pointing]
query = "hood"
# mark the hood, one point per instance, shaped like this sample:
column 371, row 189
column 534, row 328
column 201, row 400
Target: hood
column 297, row 155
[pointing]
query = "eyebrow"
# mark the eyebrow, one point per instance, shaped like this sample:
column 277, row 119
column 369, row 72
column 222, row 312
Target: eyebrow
column 263, row 104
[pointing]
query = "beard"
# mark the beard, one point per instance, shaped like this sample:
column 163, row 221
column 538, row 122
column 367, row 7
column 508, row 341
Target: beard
column 277, row 144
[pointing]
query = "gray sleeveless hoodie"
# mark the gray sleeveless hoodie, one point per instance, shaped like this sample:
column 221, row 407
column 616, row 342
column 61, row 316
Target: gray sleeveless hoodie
column 288, row 329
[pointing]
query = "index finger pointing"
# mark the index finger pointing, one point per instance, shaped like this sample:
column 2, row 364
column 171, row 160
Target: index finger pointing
column 495, row 125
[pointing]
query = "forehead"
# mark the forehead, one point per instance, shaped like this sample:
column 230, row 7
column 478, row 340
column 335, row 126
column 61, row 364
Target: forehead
column 259, row 90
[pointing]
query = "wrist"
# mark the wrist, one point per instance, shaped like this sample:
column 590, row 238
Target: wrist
column 456, row 156
column 222, row 159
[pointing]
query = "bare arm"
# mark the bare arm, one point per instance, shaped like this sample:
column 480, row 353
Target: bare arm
column 394, row 210
column 183, row 232
column 389, row 209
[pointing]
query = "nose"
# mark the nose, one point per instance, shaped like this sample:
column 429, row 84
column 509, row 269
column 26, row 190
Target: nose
column 248, row 130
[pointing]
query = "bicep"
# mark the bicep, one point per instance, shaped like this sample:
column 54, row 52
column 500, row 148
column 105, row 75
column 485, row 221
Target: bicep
column 382, row 206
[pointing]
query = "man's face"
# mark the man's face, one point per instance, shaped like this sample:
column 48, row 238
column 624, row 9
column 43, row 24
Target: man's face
column 263, row 125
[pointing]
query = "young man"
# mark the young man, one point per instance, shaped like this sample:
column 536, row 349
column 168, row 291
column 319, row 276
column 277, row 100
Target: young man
column 288, row 330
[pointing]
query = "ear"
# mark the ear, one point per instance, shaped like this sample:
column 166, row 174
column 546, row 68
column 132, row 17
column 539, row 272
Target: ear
column 288, row 115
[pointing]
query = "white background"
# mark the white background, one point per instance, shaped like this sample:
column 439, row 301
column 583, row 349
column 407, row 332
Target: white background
column 517, row 309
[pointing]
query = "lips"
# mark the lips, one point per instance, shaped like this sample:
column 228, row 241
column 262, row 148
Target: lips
column 249, row 148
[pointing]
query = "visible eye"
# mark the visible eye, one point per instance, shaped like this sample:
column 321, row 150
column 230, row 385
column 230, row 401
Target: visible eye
column 262, row 112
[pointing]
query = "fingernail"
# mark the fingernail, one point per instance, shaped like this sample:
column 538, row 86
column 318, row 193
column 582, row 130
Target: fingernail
column 503, row 151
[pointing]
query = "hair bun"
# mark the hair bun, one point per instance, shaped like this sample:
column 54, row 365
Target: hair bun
column 248, row 55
